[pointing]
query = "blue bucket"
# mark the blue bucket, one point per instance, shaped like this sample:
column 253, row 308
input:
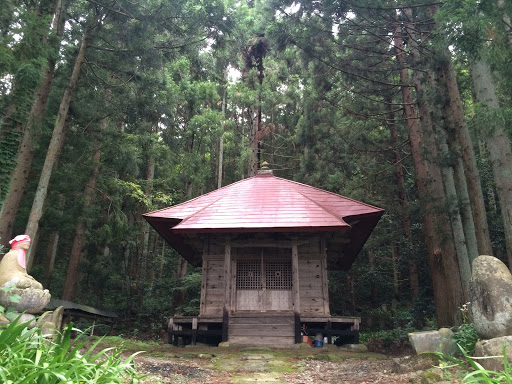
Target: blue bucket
column 318, row 343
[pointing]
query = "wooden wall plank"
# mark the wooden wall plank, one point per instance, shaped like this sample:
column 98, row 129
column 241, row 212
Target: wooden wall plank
column 311, row 284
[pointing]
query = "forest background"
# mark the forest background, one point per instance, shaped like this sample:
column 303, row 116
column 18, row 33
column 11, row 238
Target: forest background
column 113, row 108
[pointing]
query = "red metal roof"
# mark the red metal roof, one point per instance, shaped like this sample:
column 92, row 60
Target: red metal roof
column 264, row 203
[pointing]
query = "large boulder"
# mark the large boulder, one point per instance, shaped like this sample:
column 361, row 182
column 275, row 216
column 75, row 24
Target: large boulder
column 490, row 292
column 492, row 352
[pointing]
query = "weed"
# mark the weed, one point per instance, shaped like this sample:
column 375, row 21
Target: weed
column 27, row 357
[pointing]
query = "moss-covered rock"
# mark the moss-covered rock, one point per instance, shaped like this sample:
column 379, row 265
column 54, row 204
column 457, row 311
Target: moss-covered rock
column 430, row 378
column 415, row 363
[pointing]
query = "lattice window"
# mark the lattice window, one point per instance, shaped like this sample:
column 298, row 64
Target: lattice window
column 278, row 275
column 248, row 275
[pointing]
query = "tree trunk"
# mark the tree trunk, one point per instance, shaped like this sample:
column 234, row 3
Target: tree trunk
column 75, row 257
column 150, row 175
column 72, row 275
column 178, row 299
column 405, row 219
column 395, row 256
column 220, row 168
column 253, row 141
column 498, row 144
column 506, row 21
column 51, row 253
column 7, row 121
column 459, row 190
column 374, row 297
column 56, row 142
column 162, row 259
column 23, row 90
column 253, row 56
column 25, row 156
column 455, row 218
column 351, row 292
column 472, row 174
column 448, row 292
column 466, row 212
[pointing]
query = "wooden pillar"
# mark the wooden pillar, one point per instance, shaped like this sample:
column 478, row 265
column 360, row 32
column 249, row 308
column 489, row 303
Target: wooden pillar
column 171, row 337
column 227, row 275
column 194, row 331
column 225, row 325
column 298, row 328
column 204, row 276
column 295, row 277
column 325, row 278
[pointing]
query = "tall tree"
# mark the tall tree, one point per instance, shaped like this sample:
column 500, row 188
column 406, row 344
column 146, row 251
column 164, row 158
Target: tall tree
column 92, row 25
column 486, row 31
column 442, row 256
column 22, row 63
column 31, row 132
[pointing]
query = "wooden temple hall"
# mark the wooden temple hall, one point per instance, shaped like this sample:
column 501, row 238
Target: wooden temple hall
column 265, row 245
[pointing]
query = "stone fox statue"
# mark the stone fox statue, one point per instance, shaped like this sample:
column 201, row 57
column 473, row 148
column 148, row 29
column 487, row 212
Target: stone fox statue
column 13, row 273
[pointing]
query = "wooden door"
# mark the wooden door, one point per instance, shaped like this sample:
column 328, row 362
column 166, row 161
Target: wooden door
column 264, row 284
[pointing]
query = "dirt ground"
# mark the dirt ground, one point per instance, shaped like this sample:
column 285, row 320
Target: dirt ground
column 214, row 365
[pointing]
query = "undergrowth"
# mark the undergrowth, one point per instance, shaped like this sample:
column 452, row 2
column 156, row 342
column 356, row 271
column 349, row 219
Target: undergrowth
column 473, row 372
column 27, row 357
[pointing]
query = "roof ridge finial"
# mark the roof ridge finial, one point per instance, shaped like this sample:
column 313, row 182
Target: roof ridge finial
column 264, row 169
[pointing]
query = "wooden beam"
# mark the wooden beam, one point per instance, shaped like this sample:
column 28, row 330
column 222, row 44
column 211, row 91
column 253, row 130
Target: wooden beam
column 227, row 275
column 295, row 276
column 265, row 244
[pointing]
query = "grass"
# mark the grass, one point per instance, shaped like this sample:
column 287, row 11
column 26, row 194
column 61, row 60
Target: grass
column 27, row 357
column 473, row 372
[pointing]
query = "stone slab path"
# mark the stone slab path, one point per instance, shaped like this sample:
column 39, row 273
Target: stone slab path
column 210, row 365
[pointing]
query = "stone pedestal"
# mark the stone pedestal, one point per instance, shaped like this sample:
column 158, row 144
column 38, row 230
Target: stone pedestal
column 31, row 300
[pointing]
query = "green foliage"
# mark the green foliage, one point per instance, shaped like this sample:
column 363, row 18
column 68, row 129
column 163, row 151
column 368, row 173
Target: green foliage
column 21, row 67
column 27, row 357
column 9, row 312
column 383, row 341
column 192, row 285
column 473, row 372
column 466, row 337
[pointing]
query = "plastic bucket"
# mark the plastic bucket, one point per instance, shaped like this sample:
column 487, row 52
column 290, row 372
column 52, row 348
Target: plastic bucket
column 318, row 343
